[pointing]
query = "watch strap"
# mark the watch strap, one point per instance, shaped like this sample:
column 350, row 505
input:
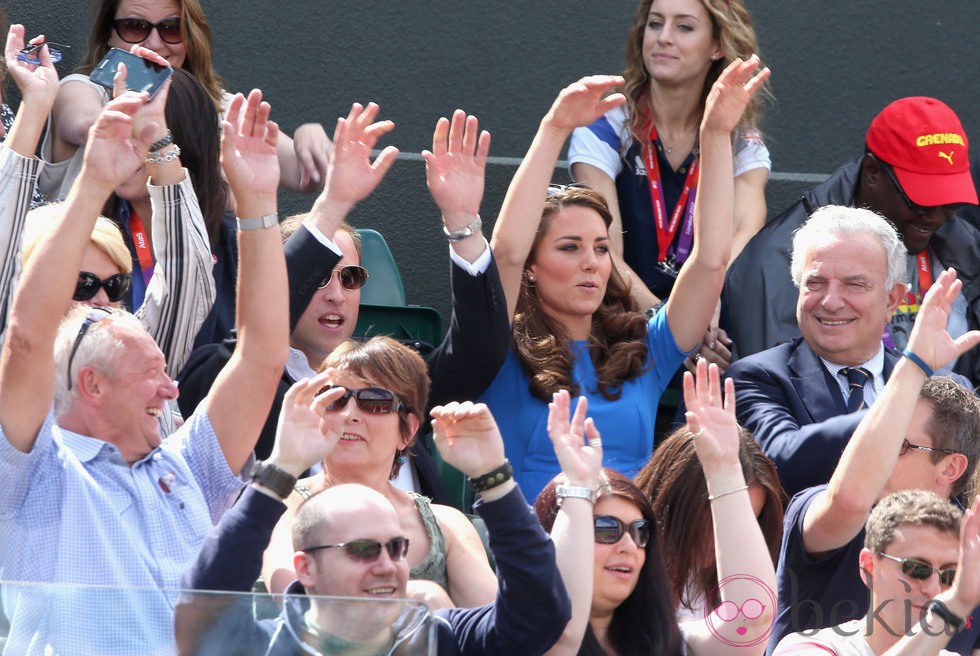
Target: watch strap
column 259, row 222
column 274, row 478
column 493, row 478
column 467, row 230
column 940, row 609
column 576, row 492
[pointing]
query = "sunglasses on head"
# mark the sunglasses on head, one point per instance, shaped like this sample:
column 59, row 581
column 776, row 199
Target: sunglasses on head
column 372, row 400
column 94, row 316
column 137, row 30
column 920, row 571
column 921, row 210
column 367, row 551
column 351, row 277
column 561, row 189
column 89, row 284
column 610, row 530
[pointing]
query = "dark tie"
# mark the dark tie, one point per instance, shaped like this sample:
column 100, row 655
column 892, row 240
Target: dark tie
column 856, row 378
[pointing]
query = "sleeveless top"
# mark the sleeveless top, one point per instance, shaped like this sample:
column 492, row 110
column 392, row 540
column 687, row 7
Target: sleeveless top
column 433, row 566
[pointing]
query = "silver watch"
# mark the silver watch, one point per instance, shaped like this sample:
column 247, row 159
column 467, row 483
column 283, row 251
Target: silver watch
column 467, row 230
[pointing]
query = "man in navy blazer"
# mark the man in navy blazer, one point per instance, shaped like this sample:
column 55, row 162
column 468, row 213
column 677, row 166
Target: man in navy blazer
column 849, row 266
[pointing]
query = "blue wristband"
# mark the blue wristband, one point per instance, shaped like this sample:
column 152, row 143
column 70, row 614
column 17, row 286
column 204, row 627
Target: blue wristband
column 920, row 363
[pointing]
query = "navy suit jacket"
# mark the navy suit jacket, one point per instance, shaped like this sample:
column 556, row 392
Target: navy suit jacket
column 795, row 410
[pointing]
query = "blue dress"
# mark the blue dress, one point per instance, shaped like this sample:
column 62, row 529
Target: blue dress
column 626, row 425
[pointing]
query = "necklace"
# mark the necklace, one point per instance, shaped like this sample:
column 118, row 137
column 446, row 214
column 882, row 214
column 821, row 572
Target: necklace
column 667, row 147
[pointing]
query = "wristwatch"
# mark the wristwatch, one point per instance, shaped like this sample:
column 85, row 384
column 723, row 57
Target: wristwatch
column 274, row 478
column 940, row 610
column 467, row 230
column 563, row 492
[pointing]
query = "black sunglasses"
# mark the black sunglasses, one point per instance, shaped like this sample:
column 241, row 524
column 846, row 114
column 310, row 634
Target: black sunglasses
column 921, row 571
column 610, row 530
column 367, row 551
column 94, row 316
column 921, row 210
column 906, row 445
column 89, row 284
column 137, row 30
column 372, row 400
column 351, row 277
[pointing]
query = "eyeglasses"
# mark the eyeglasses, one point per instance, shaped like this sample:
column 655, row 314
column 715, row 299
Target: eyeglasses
column 920, row 571
column 351, row 277
column 137, row 30
column 55, row 52
column 89, row 284
column 610, row 530
column 372, row 400
column 367, row 551
column 949, row 210
column 94, row 316
column 906, row 445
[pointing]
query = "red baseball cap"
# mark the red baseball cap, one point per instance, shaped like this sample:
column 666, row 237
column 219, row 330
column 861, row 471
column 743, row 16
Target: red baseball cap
column 923, row 140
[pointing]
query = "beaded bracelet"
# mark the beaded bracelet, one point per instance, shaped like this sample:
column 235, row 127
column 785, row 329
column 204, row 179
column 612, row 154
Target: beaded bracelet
column 162, row 142
column 168, row 156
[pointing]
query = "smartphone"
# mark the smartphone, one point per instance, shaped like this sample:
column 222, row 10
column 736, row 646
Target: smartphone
column 141, row 74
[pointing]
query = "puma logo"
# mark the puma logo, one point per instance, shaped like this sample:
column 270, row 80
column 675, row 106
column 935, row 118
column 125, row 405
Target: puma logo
column 948, row 157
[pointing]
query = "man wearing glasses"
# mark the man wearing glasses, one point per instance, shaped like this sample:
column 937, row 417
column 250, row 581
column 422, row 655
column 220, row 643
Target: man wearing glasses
column 91, row 494
column 920, row 434
column 349, row 543
column 916, row 173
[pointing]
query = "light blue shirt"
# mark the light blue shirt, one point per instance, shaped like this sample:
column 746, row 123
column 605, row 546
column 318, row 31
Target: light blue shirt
column 73, row 511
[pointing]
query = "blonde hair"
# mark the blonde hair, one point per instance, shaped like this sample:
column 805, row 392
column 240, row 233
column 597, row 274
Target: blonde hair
column 106, row 236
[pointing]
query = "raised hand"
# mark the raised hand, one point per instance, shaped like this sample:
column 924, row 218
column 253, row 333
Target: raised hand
column 966, row 585
column 153, row 111
column 929, row 338
column 582, row 102
column 312, row 148
column 455, row 168
column 115, row 151
column 731, row 92
column 248, row 148
column 37, row 83
column 351, row 176
column 577, row 443
column 711, row 417
column 305, row 433
column 467, row 437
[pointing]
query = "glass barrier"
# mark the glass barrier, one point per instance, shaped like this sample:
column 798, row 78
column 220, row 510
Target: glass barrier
column 74, row 620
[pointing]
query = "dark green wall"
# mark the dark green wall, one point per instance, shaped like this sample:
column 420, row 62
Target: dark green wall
column 835, row 65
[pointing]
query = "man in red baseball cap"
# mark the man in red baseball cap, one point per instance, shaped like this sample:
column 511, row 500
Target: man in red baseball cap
column 916, row 173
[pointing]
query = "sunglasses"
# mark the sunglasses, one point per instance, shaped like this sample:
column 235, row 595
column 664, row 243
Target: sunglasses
column 33, row 48
column 367, row 551
column 610, row 530
column 94, row 316
column 137, row 30
column 89, row 284
column 372, row 400
column 921, row 210
column 560, row 189
column 906, row 445
column 920, row 571
column 351, row 277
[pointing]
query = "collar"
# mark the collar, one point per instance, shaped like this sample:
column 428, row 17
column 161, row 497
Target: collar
column 875, row 365
column 86, row 448
column 298, row 366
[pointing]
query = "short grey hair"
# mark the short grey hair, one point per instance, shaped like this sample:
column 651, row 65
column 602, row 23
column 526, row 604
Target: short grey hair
column 840, row 221
column 100, row 349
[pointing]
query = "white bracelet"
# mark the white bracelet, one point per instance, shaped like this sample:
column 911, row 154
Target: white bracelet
column 172, row 154
column 259, row 222
column 712, row 497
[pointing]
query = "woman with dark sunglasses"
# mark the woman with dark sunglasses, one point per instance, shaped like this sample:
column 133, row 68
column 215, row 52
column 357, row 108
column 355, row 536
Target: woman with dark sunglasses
column 177, row 30
column 575, row 325
column 610, row 556
column 387, row 388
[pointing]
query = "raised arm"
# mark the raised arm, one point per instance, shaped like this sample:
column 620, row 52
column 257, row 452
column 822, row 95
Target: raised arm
column 241, row 397
column 578, row 104
column 478, row 339
column 745, row 569
column 38, row 86
column 303, row 158
column 27, row 360
column 700, row 280
column 837, row 515
column 578, row 447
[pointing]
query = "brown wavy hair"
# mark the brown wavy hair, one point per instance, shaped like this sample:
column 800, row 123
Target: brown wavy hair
column 617, row 340
column 731, row 28
column 674, row 481
column 644, row 623
column 193, row 28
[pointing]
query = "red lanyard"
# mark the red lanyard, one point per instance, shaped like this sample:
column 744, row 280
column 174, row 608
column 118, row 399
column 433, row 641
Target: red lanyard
column 925, row 273
column 665, row 231
column 141, row 241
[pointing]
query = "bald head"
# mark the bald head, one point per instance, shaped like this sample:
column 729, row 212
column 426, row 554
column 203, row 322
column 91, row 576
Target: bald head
column 339, row 508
